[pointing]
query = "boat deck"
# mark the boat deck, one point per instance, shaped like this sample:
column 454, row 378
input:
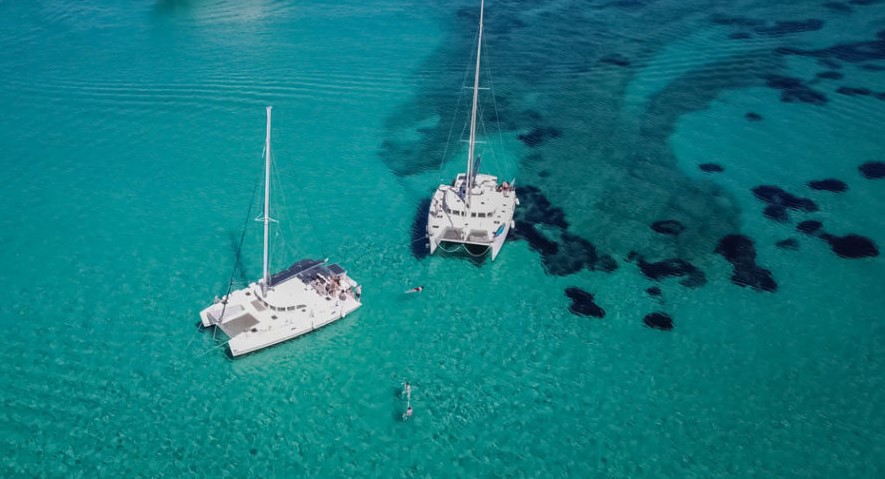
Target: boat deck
column 296, row 306
column 490, row 214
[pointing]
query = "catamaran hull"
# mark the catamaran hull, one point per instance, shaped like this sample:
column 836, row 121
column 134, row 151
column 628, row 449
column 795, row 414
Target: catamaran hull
column 241, row 348
column 498, row 243
column 473, row 248
column 245, row 344
column 303, row 298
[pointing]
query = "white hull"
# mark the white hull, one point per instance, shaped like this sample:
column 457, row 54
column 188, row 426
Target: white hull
column 292, row 307
column 474, row 212
column 485, row 224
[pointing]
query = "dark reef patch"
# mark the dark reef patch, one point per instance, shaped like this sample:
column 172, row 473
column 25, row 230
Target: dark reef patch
column 616, row 59
column 824, row 62
column 735, row 21
column 661, row 321
column 674, row 267
column 830, row 75
column 809, row 227
column 419, row 230
column 776, row 213
column 628, row 4
column 625, row 160
column 711, row 168
column 536, row 208
column 780, row 82
column 668, row 227
column 852, row 52
column 653, row 291
column 752, row 116
column 853, row 91
column 740, row 36
column 872, row 170
column 740, row 251
column 562, row 253
column 851, row 246
column 791, row 244
column 793, row 90
column 582, row 303
column 829, row 184
column 790, row 27
column 538, row 135
column 774, row 195
column 574, row 254
column 537, row 240
column 872, row 67
column 837, row 7
column 605, row 263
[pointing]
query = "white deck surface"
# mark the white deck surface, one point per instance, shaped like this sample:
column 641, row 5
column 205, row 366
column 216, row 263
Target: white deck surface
column 290, row 309
column 490, row 208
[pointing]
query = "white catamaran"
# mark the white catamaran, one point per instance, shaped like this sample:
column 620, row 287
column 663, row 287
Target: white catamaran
column 474, row 211
column 306, row 296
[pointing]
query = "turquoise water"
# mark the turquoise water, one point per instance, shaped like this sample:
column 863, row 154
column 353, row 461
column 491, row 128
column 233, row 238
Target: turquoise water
column 132, row 137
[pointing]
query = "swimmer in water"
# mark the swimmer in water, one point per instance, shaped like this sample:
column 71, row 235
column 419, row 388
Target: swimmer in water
column 407, row 414
column 416, row 289
column 407, row 390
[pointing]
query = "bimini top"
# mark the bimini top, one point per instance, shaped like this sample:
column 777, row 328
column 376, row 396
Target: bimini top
column 296, row 269
column 307, row 270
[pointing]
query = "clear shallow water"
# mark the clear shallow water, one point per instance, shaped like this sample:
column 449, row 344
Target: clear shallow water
column 132, row 138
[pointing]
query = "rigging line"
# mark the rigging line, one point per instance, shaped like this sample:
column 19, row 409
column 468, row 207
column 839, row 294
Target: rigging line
column 194, row 335
column 494, row 101
column 455, row 114
column 454, row 250
column 494, row 161
column 476, row 255
column 284, row 244
column 452, row 125
column 419, row 239
column 280, row 244
column 230, row 284
column 213, row 348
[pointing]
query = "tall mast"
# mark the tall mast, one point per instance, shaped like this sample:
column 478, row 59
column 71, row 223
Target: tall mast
column 265, row 279
column 469, row 177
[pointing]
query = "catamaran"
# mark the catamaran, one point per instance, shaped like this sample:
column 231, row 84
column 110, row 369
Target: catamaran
column 308, row 295
column 474, row 211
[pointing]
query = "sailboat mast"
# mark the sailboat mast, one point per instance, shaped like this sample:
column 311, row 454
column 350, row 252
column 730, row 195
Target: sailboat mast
column 472, row 144
column 265, row 281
